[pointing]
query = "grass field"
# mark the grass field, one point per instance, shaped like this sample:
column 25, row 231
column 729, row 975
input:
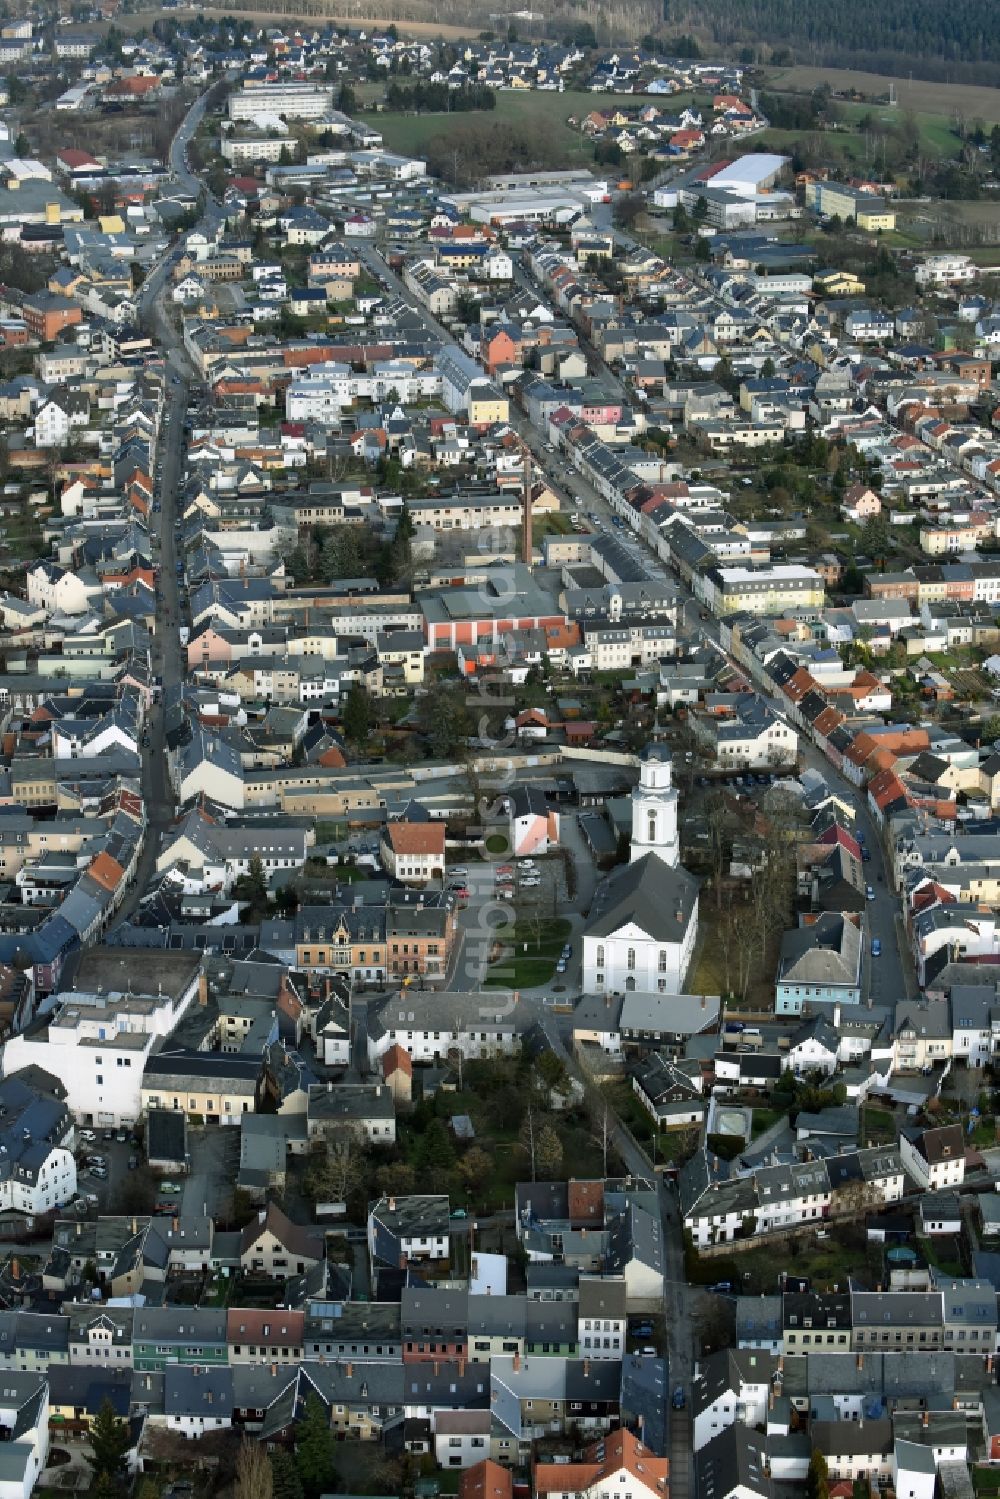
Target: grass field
column 545, row 113
column 937, row 134
column 975, row 101
column 532, row 954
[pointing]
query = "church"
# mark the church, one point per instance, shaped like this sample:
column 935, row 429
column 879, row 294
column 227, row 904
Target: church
column 644, row 920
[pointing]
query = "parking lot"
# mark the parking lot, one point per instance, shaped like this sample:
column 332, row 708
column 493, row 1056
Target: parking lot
column 116, row 1154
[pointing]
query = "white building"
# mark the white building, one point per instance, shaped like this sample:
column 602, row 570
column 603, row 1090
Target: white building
column 934, row 1157
column 292, row 101
column 431, row 1024
column 644, row 920
column 24, row 1416
column 603, row 1317
column 97, row 1044
column 945, row 270
column 654, row 809
column 37, row 1167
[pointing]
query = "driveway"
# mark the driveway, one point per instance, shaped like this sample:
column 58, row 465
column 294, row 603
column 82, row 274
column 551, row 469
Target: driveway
column 215, row 1155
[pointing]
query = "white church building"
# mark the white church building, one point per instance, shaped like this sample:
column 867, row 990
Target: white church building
column 644, row 921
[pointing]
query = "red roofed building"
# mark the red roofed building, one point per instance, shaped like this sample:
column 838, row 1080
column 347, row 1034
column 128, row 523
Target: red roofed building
column 617, row 1461
column 414, row 851
column 106, row 871
column 585, row 1202
column 74, row 160
column 397, row 1071
column 487, row 1480
column 136, row 87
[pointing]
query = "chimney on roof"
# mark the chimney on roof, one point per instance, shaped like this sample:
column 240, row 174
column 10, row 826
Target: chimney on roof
column 203, row 988
column 517, row 1363
column 135, row 1225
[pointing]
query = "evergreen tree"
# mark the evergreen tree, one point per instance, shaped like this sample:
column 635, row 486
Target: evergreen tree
column 110, row 1440
column 341, row 553
column 435, row 1152
column 357, row 717
column 818, row 1477
column 314, row 1449
column 285, row 1480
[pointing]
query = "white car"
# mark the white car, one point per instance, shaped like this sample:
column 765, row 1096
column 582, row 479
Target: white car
column 530, row 882
column 87, row 1135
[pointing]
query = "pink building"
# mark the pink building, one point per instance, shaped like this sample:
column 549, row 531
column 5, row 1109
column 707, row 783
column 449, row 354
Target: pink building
column 534, row 826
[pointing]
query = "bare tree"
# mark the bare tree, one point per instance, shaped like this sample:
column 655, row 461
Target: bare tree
column 721, row 824
column 602, row 1134
column 254, row 1479
column 528, row 1138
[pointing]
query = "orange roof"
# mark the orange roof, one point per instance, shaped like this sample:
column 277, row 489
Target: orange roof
column 487, row 1480
column 585, row 1201
column 619, row 1452
column 106, row 871
column 886, row 787
column 416, row 837
column 250, row 1325
column 558, row 1478
column 802, row 682
column 396, row 1059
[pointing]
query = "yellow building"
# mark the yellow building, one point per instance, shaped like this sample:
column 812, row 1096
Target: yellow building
column 838, row 284
column 876, row 219
column 486, row 406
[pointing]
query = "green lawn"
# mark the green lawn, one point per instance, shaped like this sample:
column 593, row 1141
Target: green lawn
column 555, row 523
column 878, row 1126
column 497, row 843
column 542, row 112
column 763, row 1119
column 533, row 951
column 755, row 1271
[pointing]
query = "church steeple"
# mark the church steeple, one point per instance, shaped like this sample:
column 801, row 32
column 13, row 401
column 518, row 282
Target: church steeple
column 654, row 808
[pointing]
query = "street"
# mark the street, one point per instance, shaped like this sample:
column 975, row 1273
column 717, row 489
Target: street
column 167, row 657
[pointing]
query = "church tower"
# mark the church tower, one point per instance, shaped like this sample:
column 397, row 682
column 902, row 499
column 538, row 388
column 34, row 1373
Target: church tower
column 654, row 808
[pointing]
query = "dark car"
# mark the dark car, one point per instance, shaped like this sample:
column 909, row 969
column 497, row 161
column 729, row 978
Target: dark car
column 678, row 1399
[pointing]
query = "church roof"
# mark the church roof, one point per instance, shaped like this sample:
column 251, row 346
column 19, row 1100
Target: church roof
column 649, row 894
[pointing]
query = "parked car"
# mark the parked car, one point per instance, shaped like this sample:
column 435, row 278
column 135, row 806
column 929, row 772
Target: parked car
column 678, row 1399
column 869, row 893
column 876, row 947
column 87, row 1135
column 170, row 1188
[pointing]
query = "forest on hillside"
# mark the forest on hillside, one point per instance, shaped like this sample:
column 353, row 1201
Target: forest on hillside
column 957, row 41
